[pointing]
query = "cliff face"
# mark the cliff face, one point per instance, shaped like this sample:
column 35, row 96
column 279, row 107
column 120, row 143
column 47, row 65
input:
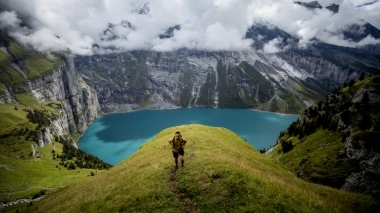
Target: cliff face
column 78, row 103
column 187, row 78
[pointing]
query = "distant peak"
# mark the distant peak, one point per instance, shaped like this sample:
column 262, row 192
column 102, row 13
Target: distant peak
column 333, row 7
column 309, row 5
column 144, row 9
column 110, row 33
column 169, row 32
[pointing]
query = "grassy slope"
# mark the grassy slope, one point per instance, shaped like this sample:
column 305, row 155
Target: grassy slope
column 223, row 173
column 322, row 154
column 22, row 175
column 318, row 152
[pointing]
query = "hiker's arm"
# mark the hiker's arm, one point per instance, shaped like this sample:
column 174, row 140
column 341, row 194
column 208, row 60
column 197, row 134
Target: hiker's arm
column 183, row 142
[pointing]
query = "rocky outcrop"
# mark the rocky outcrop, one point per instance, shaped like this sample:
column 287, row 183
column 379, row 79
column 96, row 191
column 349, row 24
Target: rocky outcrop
column 5, row 96
column 363, row 181
column 44, row 137
column 369, row 159
column 79, row 104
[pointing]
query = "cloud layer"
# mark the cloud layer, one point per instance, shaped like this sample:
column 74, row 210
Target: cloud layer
column 214, row 25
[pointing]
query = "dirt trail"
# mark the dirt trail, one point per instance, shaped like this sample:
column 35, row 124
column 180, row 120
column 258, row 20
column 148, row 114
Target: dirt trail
column 188, row 204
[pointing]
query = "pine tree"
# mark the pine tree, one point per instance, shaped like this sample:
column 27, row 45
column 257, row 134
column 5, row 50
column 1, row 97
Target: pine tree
column 361, row 76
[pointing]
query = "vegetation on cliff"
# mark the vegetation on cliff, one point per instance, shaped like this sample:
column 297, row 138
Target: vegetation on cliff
column 336, row 138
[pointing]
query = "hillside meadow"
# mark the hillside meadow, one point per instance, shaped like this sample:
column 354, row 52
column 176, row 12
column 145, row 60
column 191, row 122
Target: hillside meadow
column 222, row 173
column 21, row 174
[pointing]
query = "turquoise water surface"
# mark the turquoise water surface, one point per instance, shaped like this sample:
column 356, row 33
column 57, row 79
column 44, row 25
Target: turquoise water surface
column 115, row 137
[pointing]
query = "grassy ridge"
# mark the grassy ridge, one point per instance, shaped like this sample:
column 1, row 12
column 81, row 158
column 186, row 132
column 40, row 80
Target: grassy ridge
column 223, row 173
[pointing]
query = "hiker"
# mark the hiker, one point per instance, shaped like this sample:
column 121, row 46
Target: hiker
column 177, row 143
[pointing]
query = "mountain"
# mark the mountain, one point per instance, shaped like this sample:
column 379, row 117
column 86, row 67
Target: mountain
column 237, row 178
column 335, row 143
column 333, row 7
column 169, row 32
column 309, row 5
column 275, row 74
column 44, row 107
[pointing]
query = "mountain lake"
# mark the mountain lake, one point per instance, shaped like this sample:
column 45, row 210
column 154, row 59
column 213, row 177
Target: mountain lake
column 115, row 137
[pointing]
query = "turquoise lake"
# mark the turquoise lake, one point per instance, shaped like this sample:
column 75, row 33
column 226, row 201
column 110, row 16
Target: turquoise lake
column 115, row 137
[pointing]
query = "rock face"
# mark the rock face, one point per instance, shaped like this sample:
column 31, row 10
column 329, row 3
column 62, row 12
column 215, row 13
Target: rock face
column 143, row 79
column 78, row 103
column 192, row 78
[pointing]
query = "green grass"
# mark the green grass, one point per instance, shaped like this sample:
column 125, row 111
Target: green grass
column 293, row 104
column 7, row 74
column 3, row 57
column 22, row 175
column 368, row 82
column 38, row 67
column 17, row 50
column 222, row 173
column 319, row 154
column 11, row 118
column 35, row 66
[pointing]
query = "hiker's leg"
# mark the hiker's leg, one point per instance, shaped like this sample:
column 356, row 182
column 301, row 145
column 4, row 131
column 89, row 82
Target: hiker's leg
column 181, row 156
column 175, row 155
column 182, row 160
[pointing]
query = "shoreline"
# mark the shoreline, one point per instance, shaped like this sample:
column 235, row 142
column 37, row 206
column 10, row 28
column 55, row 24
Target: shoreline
column 172, row 108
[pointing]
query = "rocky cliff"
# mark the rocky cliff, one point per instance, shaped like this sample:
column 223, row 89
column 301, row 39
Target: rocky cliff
column 76, row 102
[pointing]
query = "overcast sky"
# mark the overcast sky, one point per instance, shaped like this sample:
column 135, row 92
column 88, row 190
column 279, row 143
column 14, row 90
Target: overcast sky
column 56, row 25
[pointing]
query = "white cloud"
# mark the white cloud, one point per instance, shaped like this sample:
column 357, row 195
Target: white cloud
column 9, row 20
column 205, row 24
column 274, row 46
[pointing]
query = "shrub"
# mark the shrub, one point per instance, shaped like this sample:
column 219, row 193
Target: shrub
column 71, row 166
column 286, row 146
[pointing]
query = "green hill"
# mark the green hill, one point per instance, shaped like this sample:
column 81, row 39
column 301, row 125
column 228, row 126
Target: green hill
column 222, row 173
column 336, row 143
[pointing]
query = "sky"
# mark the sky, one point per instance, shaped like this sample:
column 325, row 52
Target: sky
column 212, row 25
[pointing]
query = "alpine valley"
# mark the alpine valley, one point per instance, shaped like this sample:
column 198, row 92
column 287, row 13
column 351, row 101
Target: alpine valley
column 48, row 100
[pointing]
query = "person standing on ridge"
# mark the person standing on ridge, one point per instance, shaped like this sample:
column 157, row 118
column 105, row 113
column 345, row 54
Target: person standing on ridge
column 177, row 143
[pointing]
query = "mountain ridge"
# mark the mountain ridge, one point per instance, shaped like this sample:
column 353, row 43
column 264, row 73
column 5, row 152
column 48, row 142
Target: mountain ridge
column 236, row 178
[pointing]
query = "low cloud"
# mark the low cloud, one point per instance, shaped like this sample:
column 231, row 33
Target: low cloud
column 274, row 46
column 214, row 25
